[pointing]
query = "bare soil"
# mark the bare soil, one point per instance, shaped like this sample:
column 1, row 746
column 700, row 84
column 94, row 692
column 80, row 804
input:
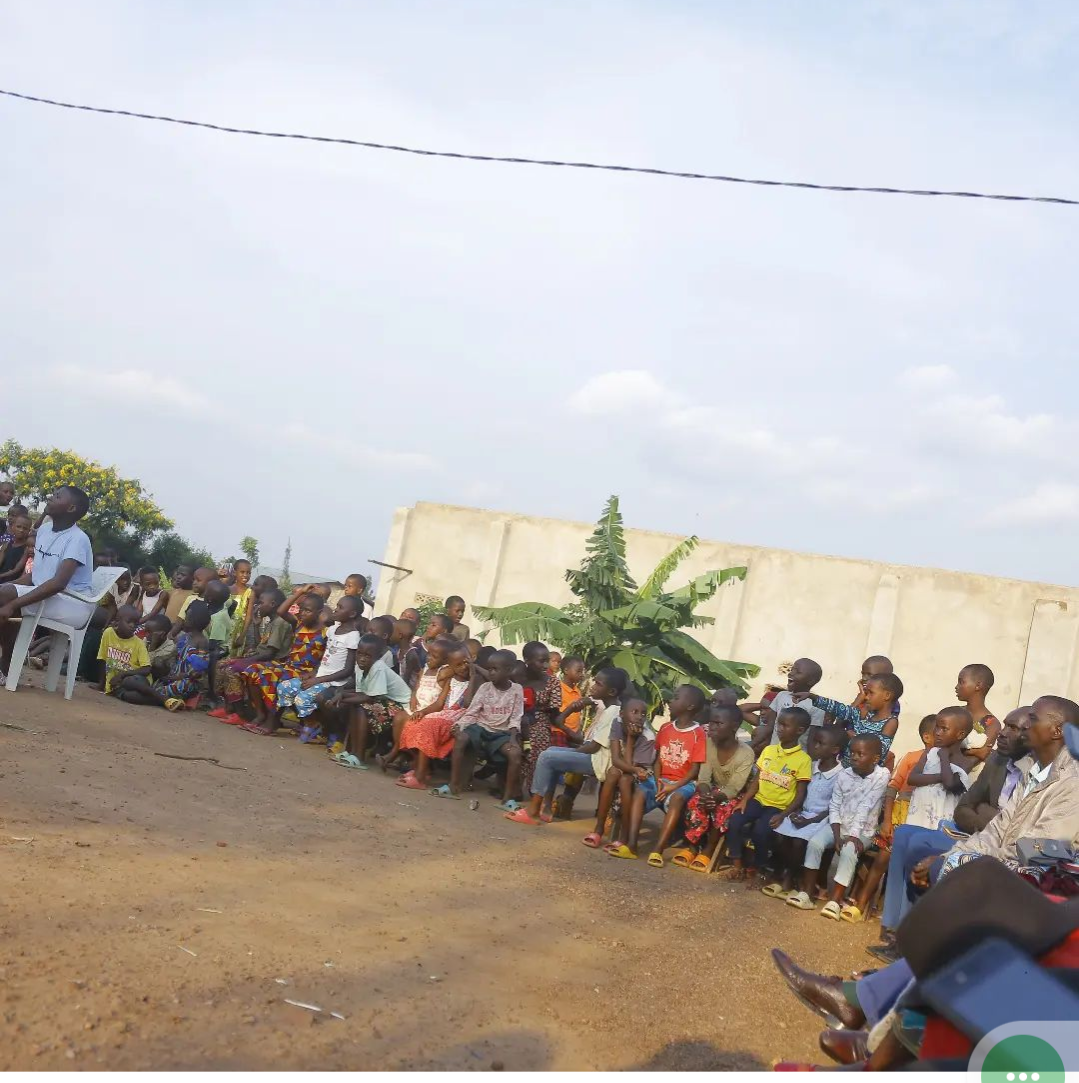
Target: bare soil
column 156, row 913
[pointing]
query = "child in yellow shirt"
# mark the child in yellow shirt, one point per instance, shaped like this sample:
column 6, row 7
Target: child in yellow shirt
column 778, row 789
column 122, row 652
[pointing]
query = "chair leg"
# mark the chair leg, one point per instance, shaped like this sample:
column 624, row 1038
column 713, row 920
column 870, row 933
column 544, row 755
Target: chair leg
column 73, row 661
column 20, row 650
column 56, row 659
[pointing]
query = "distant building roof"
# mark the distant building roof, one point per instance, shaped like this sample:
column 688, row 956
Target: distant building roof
column 298, row 578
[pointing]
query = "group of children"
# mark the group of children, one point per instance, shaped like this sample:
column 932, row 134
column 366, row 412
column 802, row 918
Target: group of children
column 762, row 789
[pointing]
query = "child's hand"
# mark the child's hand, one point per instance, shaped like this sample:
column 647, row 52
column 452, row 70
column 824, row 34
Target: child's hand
column 775, row 821
column 641, row 773
column 799, row 820
column 859, row 846
column 886, row 830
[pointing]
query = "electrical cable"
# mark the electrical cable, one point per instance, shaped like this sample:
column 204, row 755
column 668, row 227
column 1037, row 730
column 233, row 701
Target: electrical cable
column 680, row 174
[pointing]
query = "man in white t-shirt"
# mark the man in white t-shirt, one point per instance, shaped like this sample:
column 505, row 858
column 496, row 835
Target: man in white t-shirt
column 63, row 562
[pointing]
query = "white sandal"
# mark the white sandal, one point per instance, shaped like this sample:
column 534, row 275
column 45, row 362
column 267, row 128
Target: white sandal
column 831, row 910
column 801, row 901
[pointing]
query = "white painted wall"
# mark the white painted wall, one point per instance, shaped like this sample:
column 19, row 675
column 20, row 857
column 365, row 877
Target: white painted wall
column 929, row 622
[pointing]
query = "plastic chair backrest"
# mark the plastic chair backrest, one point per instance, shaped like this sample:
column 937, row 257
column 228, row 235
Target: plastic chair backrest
column 103, row 578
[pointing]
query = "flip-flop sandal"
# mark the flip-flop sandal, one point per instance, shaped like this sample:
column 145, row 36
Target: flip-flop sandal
column 851, row 913
column 623, row 851
column 774, row 891
column 174, row 704
column 831, row 910
column 520, row 816
column 801, row 901
column 700, row 863
column 410, row 784
column 509, row 806
column 546, row 817
column 655, row 860
column 259, row 731
column 610, row 847
column 444, row 791
column 346, row 759
column 683, row 859
column 592, row 841
column 233, row 720
column 308, row 734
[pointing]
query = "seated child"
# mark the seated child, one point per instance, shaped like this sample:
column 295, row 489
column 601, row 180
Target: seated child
column 680, row 751
column 896, row 801
column 633, row 753
column 308, row 646
column 188, row 673
column 160, row 646
column 852, row 819
column 428, row 695
column 542, row 693
column 590, row 753
column 305, row 695
column 777, row 790
column 430, row 736
column 199, row 579
column 825, row 745
column 415, row 658
column 803, row 676
column 490, row 727
column 125, row 591
column 273, row 640
column 473, row 646
column 723, row 777
column 973, row 685
column 219, row 633
column 245, row 629
column 876, row 665
column 380, row 695
column 15, row 552
column 121, row 651
column 879, row 696
column 154, row 600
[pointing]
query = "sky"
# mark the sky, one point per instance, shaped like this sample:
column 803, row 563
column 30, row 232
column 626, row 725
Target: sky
column 290, row 340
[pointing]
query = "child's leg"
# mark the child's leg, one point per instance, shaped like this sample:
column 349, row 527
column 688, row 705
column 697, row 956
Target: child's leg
column 872, row 879
column 738, row 828
column 512, row 751
column 672, row 821
column 399, row 721
column 626, row 788
column 762, row 835
column 461, row 763
column 142, row 688
column 359, row 733
column 823, row 839
column 635, row 816
column 606, row 798
column 845, row 870
column 423, row 768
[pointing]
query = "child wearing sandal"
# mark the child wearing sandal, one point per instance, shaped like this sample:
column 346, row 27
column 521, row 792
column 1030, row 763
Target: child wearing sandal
column 824, row 747
column 777, row 790
column 680, row 751
column 723, row 777
column 633, row 753
column 380, row 695
column 853, row 814
column 305, row 695
column 185, row 678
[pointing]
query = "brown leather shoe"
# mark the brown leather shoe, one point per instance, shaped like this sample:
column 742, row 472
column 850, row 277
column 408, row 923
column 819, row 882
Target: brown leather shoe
column 821, row 995
column 845, row 1046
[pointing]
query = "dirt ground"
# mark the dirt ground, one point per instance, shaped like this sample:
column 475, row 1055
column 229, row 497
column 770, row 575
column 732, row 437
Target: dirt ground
column 156, row 914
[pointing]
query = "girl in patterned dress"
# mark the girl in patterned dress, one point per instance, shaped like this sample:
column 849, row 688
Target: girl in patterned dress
column 308, row 646
column 543, row 703
column 428, row 696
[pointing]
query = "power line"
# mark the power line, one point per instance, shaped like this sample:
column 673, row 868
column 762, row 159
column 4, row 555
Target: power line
column 540, row 161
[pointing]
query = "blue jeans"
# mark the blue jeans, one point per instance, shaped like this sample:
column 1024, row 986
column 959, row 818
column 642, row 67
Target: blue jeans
column 909, row 846
column 554, row 761
column 751, row 824
column 877, row 992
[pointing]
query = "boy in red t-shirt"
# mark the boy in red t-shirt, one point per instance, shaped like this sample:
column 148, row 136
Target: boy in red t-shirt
column 681, row 748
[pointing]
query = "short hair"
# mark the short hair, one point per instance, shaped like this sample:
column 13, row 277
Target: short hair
column 725, row 712
column 982, row 674
column 454, row 599
column 82, row 501
column 485, row 654
column 443, row 620
column 372, row 642
column 870, row 739
column 1065, row 708
column 799, row 714
column 242, row 560
column 567, row 658
column 698, row 695
column 505, row 656
column 356, row 575
column 836, row 734
column 890, row 683
column 878, row 658
column 406, row 622
column 216, row 588
column 617, row 678
column 382, row 622
column 160, row 620
column 147, row 570
column 18, row 509
column 532, row 648
column 277, row 594
column 961, row 713
column 129, row 609
column 927, row 725
column 271, row 582
column 455, row 646
column 198, row 615
column 814, row 668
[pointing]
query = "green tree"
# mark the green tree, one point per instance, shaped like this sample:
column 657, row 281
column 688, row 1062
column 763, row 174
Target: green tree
column 286, row 579
column 250, row 548
column 615, row 622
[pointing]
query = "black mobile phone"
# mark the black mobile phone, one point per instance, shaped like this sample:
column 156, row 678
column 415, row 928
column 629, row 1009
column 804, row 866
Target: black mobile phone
column 993, row 984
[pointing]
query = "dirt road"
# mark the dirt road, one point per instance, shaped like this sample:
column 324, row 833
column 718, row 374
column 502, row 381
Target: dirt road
column 157, row 913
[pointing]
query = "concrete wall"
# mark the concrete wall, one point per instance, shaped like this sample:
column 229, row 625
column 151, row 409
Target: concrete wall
column 930, row 623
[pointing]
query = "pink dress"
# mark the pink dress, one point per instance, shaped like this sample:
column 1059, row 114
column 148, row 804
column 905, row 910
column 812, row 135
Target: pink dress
column 433, row 734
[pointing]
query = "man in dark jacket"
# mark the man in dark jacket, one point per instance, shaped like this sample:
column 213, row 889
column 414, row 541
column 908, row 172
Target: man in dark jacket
column 999, row 776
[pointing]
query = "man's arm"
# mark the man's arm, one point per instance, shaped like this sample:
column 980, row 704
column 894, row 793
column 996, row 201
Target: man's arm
column 975, row 808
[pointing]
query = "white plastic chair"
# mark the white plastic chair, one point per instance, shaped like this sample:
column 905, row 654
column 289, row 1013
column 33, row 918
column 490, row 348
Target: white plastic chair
column 66, row 639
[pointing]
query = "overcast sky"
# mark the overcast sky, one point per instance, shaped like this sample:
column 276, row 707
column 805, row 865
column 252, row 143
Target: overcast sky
column 294, row 339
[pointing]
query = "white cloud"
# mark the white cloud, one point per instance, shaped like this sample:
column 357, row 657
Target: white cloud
column 132, row 386
column 928, row 377
column 1050, row 502
column 627, row 389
